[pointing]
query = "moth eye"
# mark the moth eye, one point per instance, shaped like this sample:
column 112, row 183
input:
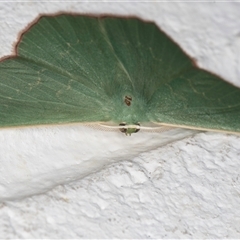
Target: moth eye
column 137, row 130
column 128, row 100
column 123, row 130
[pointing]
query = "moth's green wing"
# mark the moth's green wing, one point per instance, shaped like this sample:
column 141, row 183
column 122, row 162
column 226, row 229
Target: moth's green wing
column 197, row 99
column 33, row 94
column 80, row 69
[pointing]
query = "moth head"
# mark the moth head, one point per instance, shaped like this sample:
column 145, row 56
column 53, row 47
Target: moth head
column 128, row 129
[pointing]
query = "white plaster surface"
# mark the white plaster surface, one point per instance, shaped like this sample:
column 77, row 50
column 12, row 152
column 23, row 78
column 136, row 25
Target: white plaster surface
column 80, row 182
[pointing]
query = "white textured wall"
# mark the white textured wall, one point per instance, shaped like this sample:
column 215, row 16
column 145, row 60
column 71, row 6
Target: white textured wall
column 97, row 184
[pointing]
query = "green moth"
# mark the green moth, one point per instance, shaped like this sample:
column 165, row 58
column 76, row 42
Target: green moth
column 123, row 71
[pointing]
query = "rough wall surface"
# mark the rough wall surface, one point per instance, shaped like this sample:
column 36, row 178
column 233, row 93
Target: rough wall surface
column 75, row 181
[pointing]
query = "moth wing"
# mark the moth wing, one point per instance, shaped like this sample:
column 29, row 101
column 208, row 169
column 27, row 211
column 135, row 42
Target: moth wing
column 197, row 99
column 32, row 94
